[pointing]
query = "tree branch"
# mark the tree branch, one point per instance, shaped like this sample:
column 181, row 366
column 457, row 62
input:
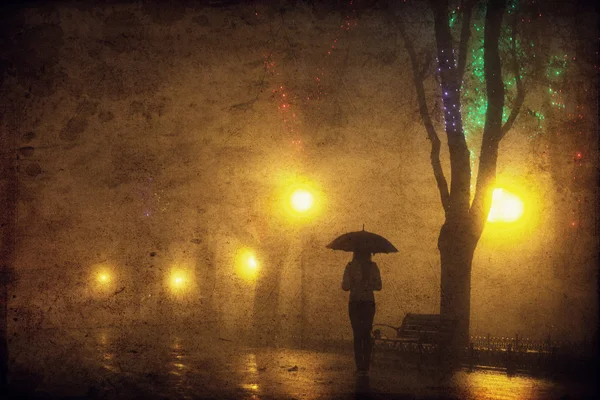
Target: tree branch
column 520, row 91
column 465, row 35
column 460, row 165
column 432, row 135
column 492, row 131
column 425, row 66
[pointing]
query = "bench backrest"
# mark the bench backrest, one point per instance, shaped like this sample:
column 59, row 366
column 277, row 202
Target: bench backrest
column 427, row 327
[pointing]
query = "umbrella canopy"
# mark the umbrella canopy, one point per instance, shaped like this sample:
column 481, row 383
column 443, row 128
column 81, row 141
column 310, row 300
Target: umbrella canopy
column 362, row 241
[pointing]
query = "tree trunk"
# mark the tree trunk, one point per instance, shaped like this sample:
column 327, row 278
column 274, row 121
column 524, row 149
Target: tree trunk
column 464, row 220
column 8, row 216
column 457, row 246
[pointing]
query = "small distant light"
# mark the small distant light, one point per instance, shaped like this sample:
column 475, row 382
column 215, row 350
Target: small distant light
column 178, row 281
column 246, row 264
column 103, row 277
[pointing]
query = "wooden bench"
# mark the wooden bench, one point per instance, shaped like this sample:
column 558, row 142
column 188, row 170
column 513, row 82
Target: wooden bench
column 419, row 333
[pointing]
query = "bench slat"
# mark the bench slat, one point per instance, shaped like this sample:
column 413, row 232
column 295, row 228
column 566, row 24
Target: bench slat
column 425, row 328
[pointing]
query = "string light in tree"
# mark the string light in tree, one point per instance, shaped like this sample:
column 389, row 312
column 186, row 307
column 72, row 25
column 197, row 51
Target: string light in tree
column 284, row 101
column 349, row 22
column 450, row 90
column 577, row 122
column 474, row 96
column 287, row 100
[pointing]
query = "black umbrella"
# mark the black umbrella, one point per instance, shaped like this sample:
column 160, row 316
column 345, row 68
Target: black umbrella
column 362, row 241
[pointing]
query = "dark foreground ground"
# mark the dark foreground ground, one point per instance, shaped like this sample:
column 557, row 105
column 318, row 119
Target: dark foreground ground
column 114, row 364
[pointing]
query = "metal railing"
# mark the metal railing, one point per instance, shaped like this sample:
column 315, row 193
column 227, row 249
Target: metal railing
column 508, row 353
column 527, row 345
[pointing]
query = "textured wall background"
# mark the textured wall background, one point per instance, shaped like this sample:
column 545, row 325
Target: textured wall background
column 158, row 139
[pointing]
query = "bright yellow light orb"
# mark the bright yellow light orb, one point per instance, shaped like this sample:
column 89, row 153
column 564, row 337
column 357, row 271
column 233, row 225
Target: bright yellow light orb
column 102, row 278
column 302, row 200
column 177, row 281
column 246, row 264
column 297, row 200
column 506, row 206
column 252, row 264
column 102, row 274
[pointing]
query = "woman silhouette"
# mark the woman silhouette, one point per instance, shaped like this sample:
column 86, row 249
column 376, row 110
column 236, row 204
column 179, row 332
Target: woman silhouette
column 361, row 278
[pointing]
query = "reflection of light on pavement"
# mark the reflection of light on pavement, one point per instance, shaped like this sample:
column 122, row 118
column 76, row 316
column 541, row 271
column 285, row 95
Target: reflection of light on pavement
column 250, row 375
column 103, row 338
column 497, row 385
column 106, row 353
column 176, row 364
column 320, row 365
column 251, row 364
column 212, row 367
column 253, row 387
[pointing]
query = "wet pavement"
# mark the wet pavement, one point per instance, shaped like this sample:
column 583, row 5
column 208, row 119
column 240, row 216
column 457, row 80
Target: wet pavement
column 115, row 364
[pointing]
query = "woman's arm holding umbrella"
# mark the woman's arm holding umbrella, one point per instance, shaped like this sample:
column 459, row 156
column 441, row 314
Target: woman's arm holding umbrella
column 376, row 278
column 346, row 279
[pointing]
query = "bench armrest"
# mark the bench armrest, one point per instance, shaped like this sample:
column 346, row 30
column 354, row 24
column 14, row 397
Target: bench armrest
column 396, row 328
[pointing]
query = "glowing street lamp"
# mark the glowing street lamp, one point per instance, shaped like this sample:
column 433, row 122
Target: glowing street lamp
column 506, row 206
column 178, row 281
column 252, row 264
column 302, row 200
column 103, row 277
column 246, row 264
column 297, row 199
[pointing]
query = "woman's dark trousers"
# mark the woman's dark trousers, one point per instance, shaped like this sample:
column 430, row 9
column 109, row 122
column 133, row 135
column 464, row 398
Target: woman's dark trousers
column 361, row 318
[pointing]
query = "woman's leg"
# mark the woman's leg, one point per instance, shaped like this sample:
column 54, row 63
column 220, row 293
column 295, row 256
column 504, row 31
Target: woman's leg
column 355, row 320
column 363, row 317
column 369, row 315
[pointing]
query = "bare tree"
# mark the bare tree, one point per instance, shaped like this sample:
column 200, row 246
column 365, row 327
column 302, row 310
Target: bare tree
column 464, row 219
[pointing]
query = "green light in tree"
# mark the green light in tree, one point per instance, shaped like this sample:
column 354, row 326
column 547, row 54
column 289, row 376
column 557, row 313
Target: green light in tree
column 453, row 17
column 555, row 70
column 556, row 67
